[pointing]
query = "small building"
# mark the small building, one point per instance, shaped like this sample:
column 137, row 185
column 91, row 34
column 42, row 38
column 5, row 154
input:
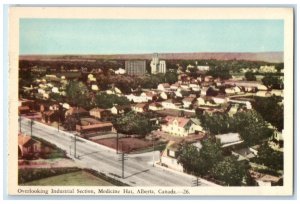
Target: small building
column 170, row 104
column 155, row 106
column 116, row 110
column 93, row 128
column 77, row 112
column 188, row 101
column 28, row 146
column 163, row 87
column 229, row 139
column 100, row 113
column 120, row 71
column 140, row 107
column 169, row 157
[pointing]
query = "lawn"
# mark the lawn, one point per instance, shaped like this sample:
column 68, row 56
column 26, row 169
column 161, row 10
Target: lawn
column 78, row 178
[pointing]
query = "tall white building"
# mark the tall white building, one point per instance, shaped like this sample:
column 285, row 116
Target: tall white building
column 157, row 66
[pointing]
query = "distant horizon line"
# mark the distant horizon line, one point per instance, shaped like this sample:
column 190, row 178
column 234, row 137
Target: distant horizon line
column 151, row 53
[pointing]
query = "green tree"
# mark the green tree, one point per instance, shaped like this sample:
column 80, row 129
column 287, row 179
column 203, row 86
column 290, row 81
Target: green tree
column 251, row 126
column 270, row 157
column 133, row 123
column 230, row 171
column 171, row 77
column 104, row 100
column 70, row 123
column 217, row 123
column 271, row 81
column 200, row 162
column 270, row 110
column 77, row 93
column 250, row 76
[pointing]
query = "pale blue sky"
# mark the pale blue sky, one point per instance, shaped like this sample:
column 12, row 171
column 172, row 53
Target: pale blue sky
column 86, row 36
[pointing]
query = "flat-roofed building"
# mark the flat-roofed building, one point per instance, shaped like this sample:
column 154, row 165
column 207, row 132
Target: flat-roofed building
column 135, row 67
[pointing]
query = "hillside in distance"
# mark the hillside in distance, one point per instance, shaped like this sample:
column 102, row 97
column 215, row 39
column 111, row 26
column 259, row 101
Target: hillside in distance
column 274, row 57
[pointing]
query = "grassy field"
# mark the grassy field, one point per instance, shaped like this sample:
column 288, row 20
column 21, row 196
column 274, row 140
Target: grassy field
column 78, row 178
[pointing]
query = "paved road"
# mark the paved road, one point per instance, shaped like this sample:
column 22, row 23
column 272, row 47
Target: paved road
column 139, row 170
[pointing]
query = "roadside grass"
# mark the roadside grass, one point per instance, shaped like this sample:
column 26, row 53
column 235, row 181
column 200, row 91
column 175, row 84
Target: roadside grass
column 78, row 178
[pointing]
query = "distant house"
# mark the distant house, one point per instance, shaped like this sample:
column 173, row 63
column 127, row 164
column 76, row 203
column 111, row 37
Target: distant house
column 137, row 99
column 120, row 71
column 163, row 95
column 140, row 107
column 97, row 127
column 100, row 113
column 175, row 86
column 229, row 139
column 169, row 156
column 155, row 106
column 77, row 112
column 28, row 146
column 188, row 101
column 23, row 110
column 170, row 104
column 149, row 95
column 116, row 110
column 243, row 154
column 163, row 87
column 220, row 99
column 179, row 126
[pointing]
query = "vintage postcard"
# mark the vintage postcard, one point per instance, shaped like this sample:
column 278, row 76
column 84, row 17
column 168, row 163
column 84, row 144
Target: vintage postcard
column 150, row 101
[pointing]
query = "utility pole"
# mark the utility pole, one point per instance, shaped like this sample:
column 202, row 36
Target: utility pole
column 122, row 158
column 153, row 150
column 196, row 182
column 31, row 124
column 117, row 143
column 75, row 145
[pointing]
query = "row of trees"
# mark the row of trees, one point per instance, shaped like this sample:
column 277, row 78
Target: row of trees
column 270, row 109
column 249, row 124
column 209, row 161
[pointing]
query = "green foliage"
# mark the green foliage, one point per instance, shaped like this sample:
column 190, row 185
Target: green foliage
column 270, row 110
column 250, row 76
column 270, row 157
column 210, row 162
column 57, row 97
column 200, row 162
column 171, row 77
column 133, row 123
column 105, row 101
column 251, row 126
column 77, row 94
column 70, row 123
column 230, row 171
column 220, row 72
column 26, row 175
column 216, row 123
column 272, row 81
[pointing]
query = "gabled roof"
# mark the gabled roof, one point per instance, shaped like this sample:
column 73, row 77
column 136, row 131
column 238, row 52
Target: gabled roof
column 182, row 122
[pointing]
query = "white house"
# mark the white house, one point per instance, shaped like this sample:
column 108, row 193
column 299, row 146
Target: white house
column 188, row 101
column 120, row 71
column 140, row 107
column 55, row 90
column 163, row 87
column 180, row 126
column 168, row 156
column 219, row 99
column 155, row 106
column 170, row 104
column 163, row 95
